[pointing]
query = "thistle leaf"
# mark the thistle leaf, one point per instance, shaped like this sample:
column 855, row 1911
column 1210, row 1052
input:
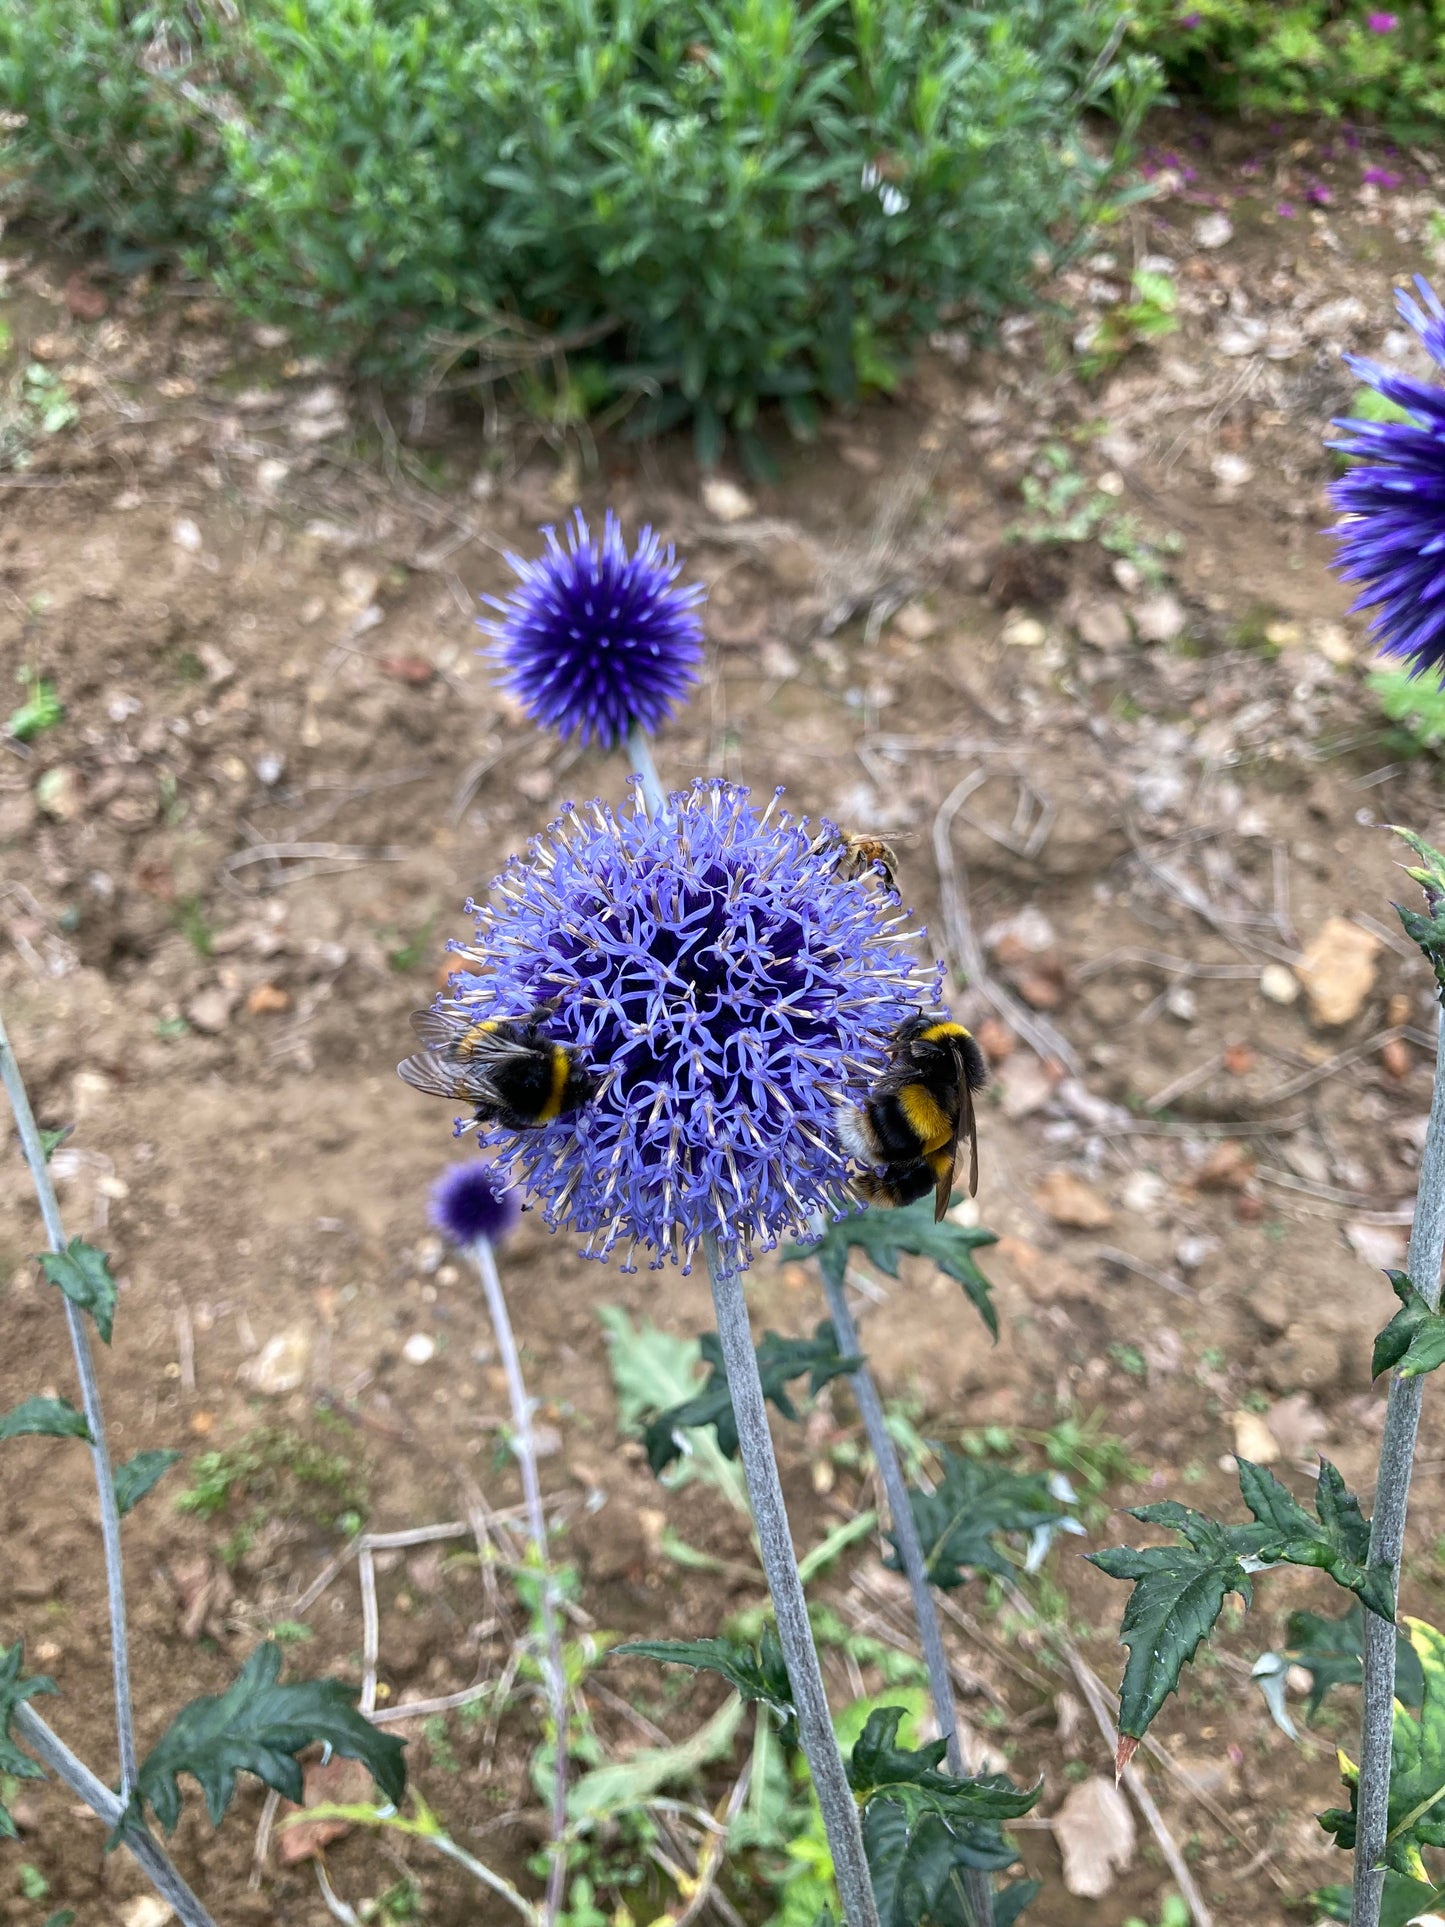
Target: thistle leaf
column 54, row 1418
column 83, row 1274
column 258, row 1726
column 1416, row 1817
column 883, row 1236
column 758, row 1674
column 15, row 1689
column 780, row 1360
column 975, row 1500
column 138, row 1475
column 1337, row 1542
column 1414, row 1339
column 1332, row 1653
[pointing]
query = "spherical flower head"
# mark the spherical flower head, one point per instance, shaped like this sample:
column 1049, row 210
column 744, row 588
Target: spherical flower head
column 1391, row 536
column 726, row 986
column 475, row 1200
column 594, row 639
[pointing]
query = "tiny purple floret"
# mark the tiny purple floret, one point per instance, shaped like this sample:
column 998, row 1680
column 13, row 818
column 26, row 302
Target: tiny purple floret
column 595, row 639
column 1391, row 535
column 1382, row 22
column 473, row 1201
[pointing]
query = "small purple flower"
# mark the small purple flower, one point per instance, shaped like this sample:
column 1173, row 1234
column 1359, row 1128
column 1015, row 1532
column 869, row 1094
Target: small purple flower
column 727, row 988
column 1382, row 22
column 1285, row 210
column 595, row 640
column 1381, row 177
column 1391, row 535
column 1321, row 195
column 1190, row 21
column 474, row 1200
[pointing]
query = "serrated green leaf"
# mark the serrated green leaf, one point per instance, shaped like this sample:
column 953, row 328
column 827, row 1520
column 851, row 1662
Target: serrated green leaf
column 975, row 1500
column 1179, row 1592
column 758, row 1674
column 879, row 1768
column 780, row 1360
column 1404, row 1899
column 883, row 1236
column 54, row 1418
column 1337, row 1542
column 1332, row 1653
column 83, row 1274
column 259, row 1726
column 15, row 1689
column 653, row 1369
column 1414, row 1339
column 1416, row 1813
column 138, row 1475
column 628, row 1783
column 1329, row 1901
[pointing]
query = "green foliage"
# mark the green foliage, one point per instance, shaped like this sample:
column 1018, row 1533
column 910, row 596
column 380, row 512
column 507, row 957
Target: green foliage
column 1414, row 1340
column 42, row 709
column 83, row 1274
column 710, row 207
column 1417, row 1774
column 1174, row 1913
column 757, row 1673
column 975, row 1500
column 1415, row 703
column 1426, row 929
column 277, row 1470
column 883, row 1236
column 779, row 1361
column 1149, row 316
column 258, row 1726
column 51, row 1141
column 1303, row 56
column 54, row 1418
column 1332, row 1653
column 1179, row 1591
column 15, row 1689
column 139, row 1475
column 650, row 1370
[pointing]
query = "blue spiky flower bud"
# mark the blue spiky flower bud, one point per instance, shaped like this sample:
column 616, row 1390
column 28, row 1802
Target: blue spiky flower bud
column 1391, row 536
column 475, row 1200
column 725, row 985
column 596, row 639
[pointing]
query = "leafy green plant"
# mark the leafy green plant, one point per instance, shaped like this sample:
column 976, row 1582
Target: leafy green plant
column 780, row 1360
column 277, row 1470
column 1149, row 316
column 1416, row 704
column 1303, row 57
column 42, row 709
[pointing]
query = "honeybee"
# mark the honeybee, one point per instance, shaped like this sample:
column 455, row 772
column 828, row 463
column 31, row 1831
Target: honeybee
column 507, row 1068
column 859, row 856
column 911, row 1120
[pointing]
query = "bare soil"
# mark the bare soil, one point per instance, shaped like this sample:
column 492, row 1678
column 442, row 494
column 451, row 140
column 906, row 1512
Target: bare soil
column 229, row 873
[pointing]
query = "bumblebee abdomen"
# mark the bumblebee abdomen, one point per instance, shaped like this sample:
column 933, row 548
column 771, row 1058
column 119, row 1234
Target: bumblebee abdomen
column 900, row 1184
column 927, row 1120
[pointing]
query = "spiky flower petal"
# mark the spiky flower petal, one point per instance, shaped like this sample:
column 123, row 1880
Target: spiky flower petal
column 594, row 639
column 475, row 1200
column 1391, row 536
column 728, row 987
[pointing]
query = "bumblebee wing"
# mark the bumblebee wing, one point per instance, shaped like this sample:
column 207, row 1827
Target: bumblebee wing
column 945, row 1162
column 440, row 1027
column 436, row 1077
column 970, row 1125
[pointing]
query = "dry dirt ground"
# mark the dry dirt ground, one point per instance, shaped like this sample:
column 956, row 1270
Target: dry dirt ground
column 227, row 875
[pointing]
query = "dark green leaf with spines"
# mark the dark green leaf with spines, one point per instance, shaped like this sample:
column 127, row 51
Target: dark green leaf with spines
column 259, row 1726
column 54, row 1418
column 1416, row 1816
column 1414, row 1339
column 138, row 1475
column 15, row 1689
column 1337, row 1542
column 780, row 1360
column 759, row 1673
column 883, row 1236
column 1332, row 1652
column 1428, row 930
column 878, row 1766
column 974, row 1500
column 83, row 1274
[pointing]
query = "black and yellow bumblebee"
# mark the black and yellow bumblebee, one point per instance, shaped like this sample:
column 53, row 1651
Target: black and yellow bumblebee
column 909, row 1125
column 506, row 1068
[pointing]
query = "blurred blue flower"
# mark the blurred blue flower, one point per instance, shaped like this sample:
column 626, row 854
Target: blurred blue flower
column 710, row 966
column 1391, row 536
column 475, row 1200
column 595, row 639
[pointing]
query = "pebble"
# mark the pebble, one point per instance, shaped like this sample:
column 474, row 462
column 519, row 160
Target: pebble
column 210, row 1010
column 1022, row 631
column 1101, row 622
column 1278, row 983
column 1143, row 1192
column 1253, row 1439
column 186, row 535
column 419, row 1349
column 59, row 793
column 1160, row 618
column 1069, row 1201
column 1338, row 971
column 1214, row 230
column 726, row 500
column 146, row 1910
column 1191, row 1252
column 280, row 1365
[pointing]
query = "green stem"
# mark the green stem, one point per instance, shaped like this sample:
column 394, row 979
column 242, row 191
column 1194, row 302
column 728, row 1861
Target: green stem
column 1387, row 1525
column 780, row 1564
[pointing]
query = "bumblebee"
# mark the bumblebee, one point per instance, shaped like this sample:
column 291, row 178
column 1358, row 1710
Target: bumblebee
column 859, row 856
column 909, row 1125
column 507, row 1068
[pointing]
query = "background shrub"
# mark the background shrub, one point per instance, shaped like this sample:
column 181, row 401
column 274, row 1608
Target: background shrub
column 711, row 203
column 1336, row 57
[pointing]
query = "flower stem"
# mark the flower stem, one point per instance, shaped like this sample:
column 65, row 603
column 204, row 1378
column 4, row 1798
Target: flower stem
column 910, row 1547
column 524, row 1450
column 780, row 1564
column 639, row 750
column 34, row 1150
column 1387, row 1526
column 47, row 1746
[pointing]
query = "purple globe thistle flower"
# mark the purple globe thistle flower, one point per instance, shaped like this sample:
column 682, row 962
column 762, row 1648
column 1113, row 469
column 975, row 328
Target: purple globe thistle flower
column 595, row 640
column 1391, row 536
column 726, row 986
column 475, row 1200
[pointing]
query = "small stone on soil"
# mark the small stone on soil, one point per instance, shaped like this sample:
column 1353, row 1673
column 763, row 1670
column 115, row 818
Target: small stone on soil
column 1068, row 1200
